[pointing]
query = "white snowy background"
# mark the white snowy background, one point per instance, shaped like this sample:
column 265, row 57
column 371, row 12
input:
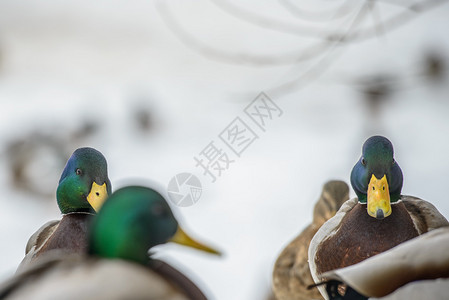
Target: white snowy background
column 193, row 67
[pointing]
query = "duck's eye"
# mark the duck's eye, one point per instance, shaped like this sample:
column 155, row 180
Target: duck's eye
column 363, row 161
column 79, row 172
column 159, row 210
column 383, row 188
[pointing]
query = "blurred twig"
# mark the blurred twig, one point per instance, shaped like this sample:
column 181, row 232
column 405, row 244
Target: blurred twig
column 269, row 23
column 326, row 48
column 409, row 12
column 403, row 4
column 252, row 59
column 318, row 16
column 326, row 39
column 323, row 64
column 376, row 18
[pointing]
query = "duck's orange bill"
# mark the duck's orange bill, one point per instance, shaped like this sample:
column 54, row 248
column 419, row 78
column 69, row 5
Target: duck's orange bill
column 97, row 195
column 182, row 238
column 378, row 198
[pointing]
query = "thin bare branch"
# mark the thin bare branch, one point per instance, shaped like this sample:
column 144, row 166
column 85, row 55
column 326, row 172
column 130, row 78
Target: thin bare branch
column 318, row 16
column 410, row 11
column 328, row 49
column 268, row 23
column 291, row 57
column 375, row 14
column 403, row 4
column 323, row 64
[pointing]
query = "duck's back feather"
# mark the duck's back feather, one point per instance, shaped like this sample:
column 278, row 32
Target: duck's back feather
column 38, row 239
column 36, row 242
column 291, row 275
column 424, row 289
column 70, row 234
column 425, row 215
column 62, row 276
column 425, row 257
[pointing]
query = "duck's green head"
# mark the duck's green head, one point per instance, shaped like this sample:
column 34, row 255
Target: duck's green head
column 84, row 183
column 133, row 220
column 377, row 178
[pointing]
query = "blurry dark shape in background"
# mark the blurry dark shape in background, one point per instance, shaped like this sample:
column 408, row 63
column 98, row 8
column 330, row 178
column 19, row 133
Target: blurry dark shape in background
column 142, row 118
column 87, row 129
column 376, row 90
column 379, row 88
column 31, row 160
column 142, row 112
column 36, row 159
column 435, row 66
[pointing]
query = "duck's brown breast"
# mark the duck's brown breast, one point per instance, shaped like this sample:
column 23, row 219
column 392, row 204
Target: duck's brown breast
column 361, row 236
column 71, row 234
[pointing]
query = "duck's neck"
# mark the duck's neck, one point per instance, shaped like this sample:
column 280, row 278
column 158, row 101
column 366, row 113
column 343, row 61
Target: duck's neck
column 71, row 234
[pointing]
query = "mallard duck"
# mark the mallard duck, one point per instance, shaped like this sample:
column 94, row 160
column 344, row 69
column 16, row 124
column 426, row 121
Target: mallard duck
column 117, row 264
column 377, row 220
column 416, row 269
column 83, row 187
column 291, row 275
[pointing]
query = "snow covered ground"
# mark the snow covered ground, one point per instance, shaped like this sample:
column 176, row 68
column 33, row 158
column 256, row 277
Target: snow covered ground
column 64, row 63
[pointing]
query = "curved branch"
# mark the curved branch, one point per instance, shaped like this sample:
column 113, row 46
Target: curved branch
column 375, row 14
column 410, row 11
column 324, row 63
column 299, row 55
column 268, row 23
column 292, row 57
column 318, row 16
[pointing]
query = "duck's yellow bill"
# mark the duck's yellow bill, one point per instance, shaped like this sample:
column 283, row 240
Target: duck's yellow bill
column 182, row 238
column 97, row 195
column 378, row 198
